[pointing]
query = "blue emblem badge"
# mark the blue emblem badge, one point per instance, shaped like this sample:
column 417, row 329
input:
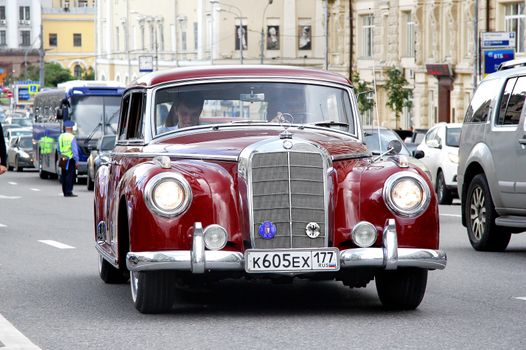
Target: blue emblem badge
column 267, row 230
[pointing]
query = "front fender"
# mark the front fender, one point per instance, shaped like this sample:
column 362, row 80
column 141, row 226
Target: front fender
column 213, row 202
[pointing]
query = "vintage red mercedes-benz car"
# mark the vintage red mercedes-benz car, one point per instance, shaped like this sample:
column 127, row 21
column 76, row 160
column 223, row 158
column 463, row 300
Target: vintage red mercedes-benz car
column 257, row 172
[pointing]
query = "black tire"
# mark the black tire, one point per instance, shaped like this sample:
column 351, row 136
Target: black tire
column 443, row 194
column 9, row 168
column 90, row 185
column 18, row 168
column 110, row 274
column 401, row 289
column 152, row 291
column 480, row 215
column 42, row 174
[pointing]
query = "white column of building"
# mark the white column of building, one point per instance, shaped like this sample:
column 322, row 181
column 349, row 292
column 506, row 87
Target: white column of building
column 290, row 40
column 108, row 37
column 318, row 41
column 11, row 13
column 36, row 20
column 200, row 29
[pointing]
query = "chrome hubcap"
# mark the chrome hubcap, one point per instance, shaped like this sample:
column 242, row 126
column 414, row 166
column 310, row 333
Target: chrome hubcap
column 477, row 212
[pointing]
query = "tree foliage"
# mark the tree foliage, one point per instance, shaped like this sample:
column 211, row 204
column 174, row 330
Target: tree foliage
column 363, row 91
column 53, row 74
column 398, row 94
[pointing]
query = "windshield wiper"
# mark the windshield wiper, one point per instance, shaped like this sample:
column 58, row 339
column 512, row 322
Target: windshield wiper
column 249, row 121
column 329, row 123
column 90, row 136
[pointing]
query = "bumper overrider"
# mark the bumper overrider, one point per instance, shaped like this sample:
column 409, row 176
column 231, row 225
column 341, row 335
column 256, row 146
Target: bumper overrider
column 198, row 260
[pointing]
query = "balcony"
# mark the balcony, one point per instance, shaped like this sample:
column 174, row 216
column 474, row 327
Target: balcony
column 24, row 22
column 3, row 22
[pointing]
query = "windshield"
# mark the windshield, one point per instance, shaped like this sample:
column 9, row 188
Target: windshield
column 453, row 137
column 89, row 111
column 22, row 121
column 377, row 146
column 26, row 142
column 254, row 102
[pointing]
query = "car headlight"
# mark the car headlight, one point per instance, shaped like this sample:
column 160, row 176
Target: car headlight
column 453, row 158
column 24, row 154
column 406, row 194
column 168, row 194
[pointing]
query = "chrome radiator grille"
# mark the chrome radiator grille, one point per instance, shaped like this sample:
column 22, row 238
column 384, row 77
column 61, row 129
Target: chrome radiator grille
column 288, row 190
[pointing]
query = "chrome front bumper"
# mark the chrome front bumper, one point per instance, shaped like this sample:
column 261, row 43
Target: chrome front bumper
column 199, row 260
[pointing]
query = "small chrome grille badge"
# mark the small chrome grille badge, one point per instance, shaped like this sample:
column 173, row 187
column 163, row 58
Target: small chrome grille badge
column 312, row 230
column 267, row 230
column 287, row 144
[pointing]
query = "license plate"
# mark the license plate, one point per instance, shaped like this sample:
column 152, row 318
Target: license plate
column 296, row 260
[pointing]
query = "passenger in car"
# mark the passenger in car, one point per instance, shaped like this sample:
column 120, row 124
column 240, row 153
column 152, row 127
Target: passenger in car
column 185, row 112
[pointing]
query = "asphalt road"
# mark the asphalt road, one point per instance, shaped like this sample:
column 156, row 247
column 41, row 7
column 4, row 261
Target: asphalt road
column 53, row 298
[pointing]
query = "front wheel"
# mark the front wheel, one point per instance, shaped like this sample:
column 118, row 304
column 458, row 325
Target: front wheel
column 109, row 274
column 401, row 289
column 18, row 168
column 90, row 184
column 152, row 291
column 480, row 212
column 443, row 194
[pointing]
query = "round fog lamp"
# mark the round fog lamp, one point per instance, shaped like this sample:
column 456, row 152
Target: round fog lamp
column 215, row 237
column 364, row 234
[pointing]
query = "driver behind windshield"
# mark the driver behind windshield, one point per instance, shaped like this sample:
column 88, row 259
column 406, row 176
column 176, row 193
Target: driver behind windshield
column 185, row 112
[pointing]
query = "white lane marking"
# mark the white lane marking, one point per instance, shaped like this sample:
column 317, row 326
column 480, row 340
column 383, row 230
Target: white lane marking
column 12, row 183
column 56, row 244
column 520, row 298
column 452, row 215
column 9, row 197
column 35, row 189
column 2, row 225
column 12, row 338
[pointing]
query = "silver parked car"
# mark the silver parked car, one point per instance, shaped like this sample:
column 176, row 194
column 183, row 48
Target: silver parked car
column 492, row 161
column 20, row 153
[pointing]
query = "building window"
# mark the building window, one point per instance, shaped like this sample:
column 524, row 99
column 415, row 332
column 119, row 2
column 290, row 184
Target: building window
column 367, row 35
column 83, row 3
column 52, row 39
column 3, row 38
column 409, row 34
column 515, row 22
column 25, row 38
column 2, row 12
column 117, row 37
column 77, row 71
column 24, row 13
column 77, row 40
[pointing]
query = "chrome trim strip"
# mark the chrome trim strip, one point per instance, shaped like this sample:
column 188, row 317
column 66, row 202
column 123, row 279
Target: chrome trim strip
column 350, row 156
column 198, row 249
column 176, row 155
column 390, row 245
column 234, row 261
column 290, row 200
column 112, row 260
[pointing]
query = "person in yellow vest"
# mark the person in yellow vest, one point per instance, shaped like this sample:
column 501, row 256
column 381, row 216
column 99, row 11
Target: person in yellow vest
column 67, row 147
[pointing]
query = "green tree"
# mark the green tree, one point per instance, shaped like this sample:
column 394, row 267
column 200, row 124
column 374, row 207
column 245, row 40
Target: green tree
column 88, row 74
column 53, row 74
column 362, row 90
column 398, row 94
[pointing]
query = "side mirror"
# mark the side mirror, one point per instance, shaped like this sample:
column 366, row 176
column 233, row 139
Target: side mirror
column 418, row 154
column 104, row 160
column 394, row 147
column 433, row 144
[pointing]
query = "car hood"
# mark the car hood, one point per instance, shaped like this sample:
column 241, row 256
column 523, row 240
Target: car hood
column 230, row 142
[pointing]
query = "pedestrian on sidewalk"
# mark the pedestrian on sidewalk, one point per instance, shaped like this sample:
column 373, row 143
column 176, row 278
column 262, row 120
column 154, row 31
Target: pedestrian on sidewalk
column 69, row 158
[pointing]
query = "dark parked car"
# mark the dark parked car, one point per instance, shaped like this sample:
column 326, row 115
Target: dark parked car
column 20, row 153
column 257, row 172
column 103, row 148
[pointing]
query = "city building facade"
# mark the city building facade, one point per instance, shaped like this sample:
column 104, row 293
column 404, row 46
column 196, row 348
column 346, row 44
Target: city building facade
column 20, row 26
column 69, row 35
column 198, row 32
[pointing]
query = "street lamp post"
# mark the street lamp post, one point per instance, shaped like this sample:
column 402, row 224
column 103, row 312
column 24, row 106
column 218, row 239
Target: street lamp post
column 261, row 49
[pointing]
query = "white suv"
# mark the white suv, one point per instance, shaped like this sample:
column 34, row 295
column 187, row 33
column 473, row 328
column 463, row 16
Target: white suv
column 492, row 161
column 440, row 147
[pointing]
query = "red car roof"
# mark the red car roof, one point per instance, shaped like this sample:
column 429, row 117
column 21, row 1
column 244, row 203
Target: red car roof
column 242, row 71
